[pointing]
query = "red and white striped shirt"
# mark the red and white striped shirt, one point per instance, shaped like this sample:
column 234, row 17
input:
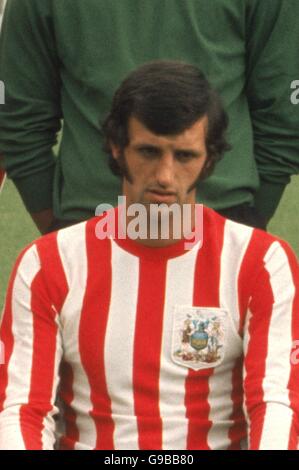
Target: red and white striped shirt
column 95, row 320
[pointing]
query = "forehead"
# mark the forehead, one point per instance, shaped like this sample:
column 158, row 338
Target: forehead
column 193, row 137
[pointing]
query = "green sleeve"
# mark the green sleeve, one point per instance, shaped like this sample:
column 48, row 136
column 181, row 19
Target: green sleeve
column 272, row 30
column 30, row 117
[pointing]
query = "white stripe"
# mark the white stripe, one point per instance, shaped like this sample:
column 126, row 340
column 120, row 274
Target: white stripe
column 20, row 364
column 10, row 429
column 119, row 346
column 2, row 178
column 49, row 434
column 221, row 387
column 221, row 407
column 277, row 426
column 246, row 342
column 72, row 250
column 235, row 243
column 178, row 291
column 278, row 365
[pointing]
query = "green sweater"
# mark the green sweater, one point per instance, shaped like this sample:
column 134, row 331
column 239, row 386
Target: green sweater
column 65, row 58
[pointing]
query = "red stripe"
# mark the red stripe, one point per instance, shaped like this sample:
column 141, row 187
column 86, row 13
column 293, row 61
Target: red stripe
column 43, row 363
column 55, row 279
column 255, row 360
column 293, row 443
column 257, row 247
column 208, row 263
column 206, row 294
column 58, row 289
column 2, row 179
column 93, row 324
column 147, row 353
column 68, row 441
column 6, row 335
column 238, row 431
column 294, row 376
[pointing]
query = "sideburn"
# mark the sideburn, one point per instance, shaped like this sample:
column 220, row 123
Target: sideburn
column 201, row 176
column 124, row 170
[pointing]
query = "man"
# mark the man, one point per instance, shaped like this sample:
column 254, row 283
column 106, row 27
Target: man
column 64, row 59
column 102, row 319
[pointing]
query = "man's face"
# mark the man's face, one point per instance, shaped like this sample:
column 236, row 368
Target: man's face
column 162, row 169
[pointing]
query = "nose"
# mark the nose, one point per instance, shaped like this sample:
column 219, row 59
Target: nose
column 165, row 170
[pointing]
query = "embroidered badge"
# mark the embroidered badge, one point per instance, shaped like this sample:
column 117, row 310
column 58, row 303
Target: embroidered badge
column 199, row 336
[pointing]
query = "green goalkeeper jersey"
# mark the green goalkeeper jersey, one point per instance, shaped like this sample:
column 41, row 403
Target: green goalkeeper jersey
column 63, row 60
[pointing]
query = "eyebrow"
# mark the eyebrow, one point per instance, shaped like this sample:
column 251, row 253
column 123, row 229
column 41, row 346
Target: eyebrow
column 191, row 152
column 146, row 146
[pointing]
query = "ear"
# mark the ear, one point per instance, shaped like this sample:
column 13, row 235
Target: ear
column 115, row 150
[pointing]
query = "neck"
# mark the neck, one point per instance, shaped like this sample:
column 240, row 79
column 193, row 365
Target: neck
column 156, row 226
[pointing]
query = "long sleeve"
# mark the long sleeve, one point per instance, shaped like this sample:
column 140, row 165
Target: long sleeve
column 30, row 337
column 271, row 371
column 272, row 65
column 30, row 117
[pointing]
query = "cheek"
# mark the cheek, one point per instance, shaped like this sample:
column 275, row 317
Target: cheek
column 188, row 177
column 190, row 174
column 144, row 171
column 135, row 163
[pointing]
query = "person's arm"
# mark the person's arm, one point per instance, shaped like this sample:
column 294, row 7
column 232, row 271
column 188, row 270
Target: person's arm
column 30, row 117
column 43, row 219
column 30, row 338
column 271, row 370
column 272, row 64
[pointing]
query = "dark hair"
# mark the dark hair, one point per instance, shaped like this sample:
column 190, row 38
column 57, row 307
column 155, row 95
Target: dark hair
column 167, row 97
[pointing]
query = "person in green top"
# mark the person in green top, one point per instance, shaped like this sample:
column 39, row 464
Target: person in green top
column 62, row 59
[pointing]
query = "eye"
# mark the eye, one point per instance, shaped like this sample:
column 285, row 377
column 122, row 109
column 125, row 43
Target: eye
column 184, row 155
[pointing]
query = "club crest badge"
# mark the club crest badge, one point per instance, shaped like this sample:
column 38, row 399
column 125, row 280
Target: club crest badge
column 199, row 336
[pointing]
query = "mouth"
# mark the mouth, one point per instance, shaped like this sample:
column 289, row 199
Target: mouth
column 158, row 196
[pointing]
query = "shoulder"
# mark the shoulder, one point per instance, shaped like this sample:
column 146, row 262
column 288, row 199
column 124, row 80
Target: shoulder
column 245, row 240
